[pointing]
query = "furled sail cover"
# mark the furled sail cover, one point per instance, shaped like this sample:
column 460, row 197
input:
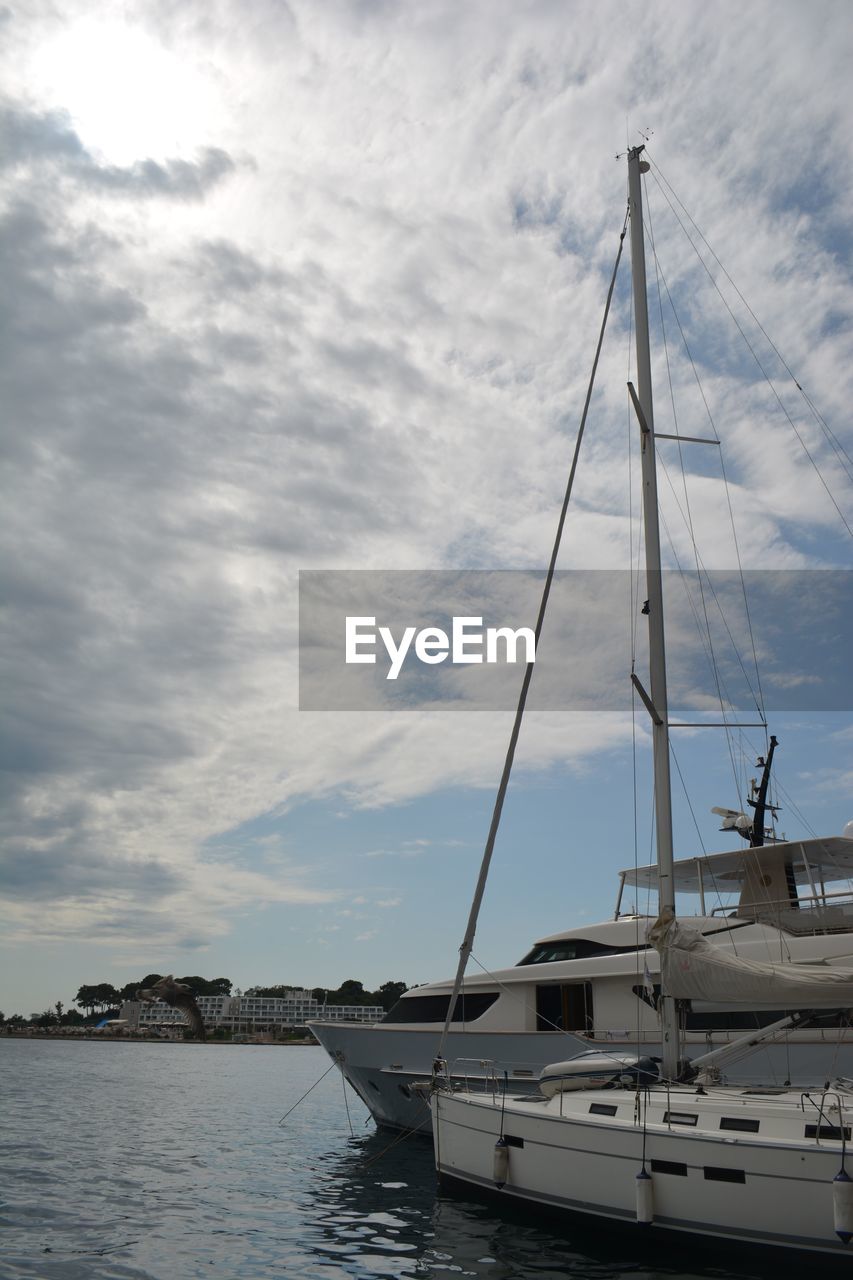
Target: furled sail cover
column 692, row 968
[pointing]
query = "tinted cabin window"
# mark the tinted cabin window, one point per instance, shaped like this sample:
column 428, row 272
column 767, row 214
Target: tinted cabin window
column 564, row 1006
column 670, row 1166
column 827, row 1131
column 434, row 1008
column 573, row 949
column 740, row 1123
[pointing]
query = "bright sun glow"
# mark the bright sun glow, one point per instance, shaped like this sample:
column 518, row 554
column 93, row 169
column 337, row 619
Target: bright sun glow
column 129, row 97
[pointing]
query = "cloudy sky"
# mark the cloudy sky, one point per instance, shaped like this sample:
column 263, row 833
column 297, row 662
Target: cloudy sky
column 316, row 286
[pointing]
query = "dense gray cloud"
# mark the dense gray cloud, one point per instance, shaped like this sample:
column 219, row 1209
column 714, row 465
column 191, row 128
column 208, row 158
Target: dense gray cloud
column 29, row 138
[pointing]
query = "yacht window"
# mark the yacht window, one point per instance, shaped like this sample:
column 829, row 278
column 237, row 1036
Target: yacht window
column 434, row 1008
column 564, row 1007
column 602, row 1109
column 573, row 949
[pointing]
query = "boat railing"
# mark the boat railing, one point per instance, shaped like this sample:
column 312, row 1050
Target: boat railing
column 478, row 1075
column 488, row 1075
column 812, row 913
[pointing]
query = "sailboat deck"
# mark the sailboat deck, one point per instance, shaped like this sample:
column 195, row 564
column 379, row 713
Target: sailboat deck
column 812, row 1119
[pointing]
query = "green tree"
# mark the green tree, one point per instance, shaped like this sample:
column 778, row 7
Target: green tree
column 207, row 986
column 100, row 995
column 389, row 993
column 107, row 996
column 350, row 992
column 87, row 997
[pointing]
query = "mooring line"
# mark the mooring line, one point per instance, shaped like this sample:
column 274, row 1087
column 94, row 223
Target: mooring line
column 307, row 1091
column 407, row 1133
column 346, row 1104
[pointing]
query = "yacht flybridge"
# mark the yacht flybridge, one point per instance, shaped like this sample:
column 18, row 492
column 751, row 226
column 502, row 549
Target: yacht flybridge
column 596, row 987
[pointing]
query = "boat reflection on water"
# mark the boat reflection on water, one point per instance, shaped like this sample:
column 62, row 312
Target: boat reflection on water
column 371, row 1206
column 382, row 1216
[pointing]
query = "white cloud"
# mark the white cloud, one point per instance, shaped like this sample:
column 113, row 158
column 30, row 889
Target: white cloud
column 352, row 328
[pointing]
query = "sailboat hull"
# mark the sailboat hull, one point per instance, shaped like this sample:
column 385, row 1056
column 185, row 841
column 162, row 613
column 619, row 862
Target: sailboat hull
column 705, row 1180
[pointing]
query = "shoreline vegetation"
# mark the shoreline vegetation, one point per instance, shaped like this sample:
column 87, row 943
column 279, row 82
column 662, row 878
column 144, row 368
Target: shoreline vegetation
column 120, row 1035
column 101, row 1001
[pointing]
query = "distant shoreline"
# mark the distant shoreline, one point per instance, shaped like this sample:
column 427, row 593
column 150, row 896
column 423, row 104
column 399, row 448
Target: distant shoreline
column 100, row 1037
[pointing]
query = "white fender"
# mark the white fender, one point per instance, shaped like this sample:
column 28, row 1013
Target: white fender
column 501, row 1162
column 842, row 1206
column 646, row 1198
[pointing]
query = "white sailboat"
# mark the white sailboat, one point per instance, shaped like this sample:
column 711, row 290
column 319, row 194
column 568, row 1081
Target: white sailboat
column 665, row 1142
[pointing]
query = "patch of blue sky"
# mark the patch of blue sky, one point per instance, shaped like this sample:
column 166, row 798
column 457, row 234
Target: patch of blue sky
column 545, row 212
column 837, row 322
column 565, row 835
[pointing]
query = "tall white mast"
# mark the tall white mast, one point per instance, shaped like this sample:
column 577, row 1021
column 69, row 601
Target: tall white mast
column 657, row 652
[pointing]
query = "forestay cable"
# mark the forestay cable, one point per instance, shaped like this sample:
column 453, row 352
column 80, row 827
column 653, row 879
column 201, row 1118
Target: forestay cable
column 468, row 940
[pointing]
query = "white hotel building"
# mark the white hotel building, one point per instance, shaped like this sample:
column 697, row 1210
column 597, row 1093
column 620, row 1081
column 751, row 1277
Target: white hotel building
column 247, row 1014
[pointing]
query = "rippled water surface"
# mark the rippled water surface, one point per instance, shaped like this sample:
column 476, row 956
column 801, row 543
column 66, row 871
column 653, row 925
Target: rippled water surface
column 167, row 1161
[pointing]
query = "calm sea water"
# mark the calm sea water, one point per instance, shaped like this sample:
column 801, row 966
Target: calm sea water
column 164, row 1162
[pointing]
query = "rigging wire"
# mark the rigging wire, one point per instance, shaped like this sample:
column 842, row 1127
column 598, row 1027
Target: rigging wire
column 701, row 389
column 702, row 573
column 689, row 514
column 709, row 653
column 749, row 345
column 689, row 805
column 830, row 434
column 683, row 574
column 468, row 940
column 741, row 784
